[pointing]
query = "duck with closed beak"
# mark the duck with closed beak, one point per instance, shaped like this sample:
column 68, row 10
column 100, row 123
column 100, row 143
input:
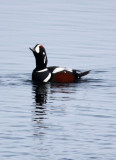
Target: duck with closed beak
column 54, row 74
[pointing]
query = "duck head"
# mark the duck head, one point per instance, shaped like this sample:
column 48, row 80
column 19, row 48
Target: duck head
column 40, row 56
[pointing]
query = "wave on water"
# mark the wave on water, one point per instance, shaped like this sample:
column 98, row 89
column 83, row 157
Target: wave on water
column 15, row 79
column 25, row 79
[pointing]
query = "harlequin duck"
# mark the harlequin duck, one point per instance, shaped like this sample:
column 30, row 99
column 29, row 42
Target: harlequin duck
column 55, row 74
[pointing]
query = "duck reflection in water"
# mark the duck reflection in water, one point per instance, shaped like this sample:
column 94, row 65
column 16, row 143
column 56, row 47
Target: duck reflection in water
column 40, row 95
column 40, row 92
column 39, row 111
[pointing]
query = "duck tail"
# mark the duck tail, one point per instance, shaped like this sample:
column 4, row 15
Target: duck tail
column 84, row 73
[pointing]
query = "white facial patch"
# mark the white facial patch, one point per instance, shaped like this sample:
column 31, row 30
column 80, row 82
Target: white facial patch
column 37, row 49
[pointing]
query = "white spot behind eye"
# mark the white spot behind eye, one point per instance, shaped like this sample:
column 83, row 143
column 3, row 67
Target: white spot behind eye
column 43, row 53
column 37, row 49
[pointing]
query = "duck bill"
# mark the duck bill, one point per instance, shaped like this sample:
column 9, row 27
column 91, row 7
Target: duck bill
column 32, row 49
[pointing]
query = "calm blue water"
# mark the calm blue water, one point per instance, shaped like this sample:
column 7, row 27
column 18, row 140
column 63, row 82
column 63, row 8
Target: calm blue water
column 60, row 121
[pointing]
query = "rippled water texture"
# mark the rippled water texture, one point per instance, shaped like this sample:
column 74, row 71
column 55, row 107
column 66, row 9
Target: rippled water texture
column 58, row 121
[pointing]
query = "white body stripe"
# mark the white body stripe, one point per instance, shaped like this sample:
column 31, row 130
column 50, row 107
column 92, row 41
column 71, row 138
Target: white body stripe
column 59, row 69
column 68, row 69
column 47, row 78
column 43, row 70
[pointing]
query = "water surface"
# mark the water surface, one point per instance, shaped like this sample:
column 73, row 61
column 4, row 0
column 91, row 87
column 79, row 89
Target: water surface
column 58, row 121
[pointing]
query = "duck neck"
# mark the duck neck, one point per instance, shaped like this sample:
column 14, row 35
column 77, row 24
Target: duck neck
column 40, row 65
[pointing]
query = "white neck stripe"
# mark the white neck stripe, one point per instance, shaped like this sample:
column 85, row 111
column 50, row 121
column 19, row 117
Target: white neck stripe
column 43, row 70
